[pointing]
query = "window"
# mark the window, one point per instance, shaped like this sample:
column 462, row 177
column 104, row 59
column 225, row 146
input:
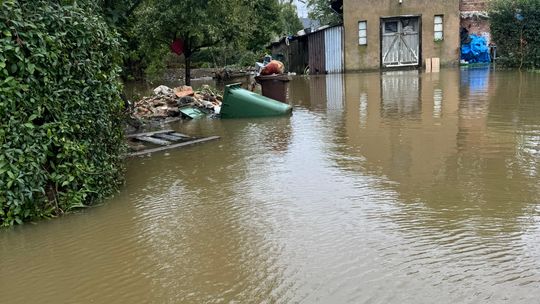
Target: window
column 438, row 29
column 390, row 27
column 362, row 33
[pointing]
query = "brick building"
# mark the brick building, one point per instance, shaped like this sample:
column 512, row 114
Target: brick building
column 402, row 33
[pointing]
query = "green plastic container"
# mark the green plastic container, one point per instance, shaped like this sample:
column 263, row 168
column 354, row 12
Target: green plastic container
column 193, row 112
column 241, row 103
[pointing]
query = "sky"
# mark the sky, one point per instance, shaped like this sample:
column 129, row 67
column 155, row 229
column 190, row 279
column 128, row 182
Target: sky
column 301, row 7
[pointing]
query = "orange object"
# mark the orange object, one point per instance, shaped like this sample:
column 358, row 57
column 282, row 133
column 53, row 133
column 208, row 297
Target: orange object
column 184, row 91
column 274, row 67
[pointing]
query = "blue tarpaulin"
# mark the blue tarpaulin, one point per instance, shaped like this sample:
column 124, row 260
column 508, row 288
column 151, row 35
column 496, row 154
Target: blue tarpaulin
column 476, row 50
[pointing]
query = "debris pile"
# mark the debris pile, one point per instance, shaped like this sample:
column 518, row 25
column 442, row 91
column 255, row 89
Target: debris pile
column 167, row 102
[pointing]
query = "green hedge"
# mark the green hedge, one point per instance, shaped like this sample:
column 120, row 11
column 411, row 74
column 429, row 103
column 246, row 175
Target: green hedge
column 515, row 27
column 61, row 126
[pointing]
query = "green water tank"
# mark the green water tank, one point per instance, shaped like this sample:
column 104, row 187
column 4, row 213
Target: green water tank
column 240, row 103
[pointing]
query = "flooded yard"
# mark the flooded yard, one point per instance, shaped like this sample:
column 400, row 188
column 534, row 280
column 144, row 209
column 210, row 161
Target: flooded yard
column 399, row 187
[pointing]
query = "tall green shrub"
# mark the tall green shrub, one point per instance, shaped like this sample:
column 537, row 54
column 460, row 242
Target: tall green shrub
column 515, row 26
column 60, row 111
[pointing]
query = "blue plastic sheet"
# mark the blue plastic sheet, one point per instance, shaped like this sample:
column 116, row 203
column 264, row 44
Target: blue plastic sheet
column 476, row 50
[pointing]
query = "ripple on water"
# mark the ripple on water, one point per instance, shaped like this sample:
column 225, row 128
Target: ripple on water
column 391, row 195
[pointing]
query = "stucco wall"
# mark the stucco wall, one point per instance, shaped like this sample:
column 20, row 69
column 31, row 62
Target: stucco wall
column 359, row 57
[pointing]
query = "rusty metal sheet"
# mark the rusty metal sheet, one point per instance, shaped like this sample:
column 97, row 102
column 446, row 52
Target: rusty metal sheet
column 317, row 55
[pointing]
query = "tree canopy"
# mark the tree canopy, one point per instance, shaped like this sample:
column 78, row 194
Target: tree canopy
column 322, row 11
column 243, row 24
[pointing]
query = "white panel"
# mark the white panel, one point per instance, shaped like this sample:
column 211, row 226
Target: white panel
column 438, row 19
column 438, row 27
column 438, row 35
column 333, row 39
column 362, row 41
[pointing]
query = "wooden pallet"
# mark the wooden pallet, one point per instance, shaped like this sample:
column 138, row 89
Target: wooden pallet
column 158, row 141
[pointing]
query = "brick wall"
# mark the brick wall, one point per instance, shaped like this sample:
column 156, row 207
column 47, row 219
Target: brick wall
column 475, row 25
column 472, row 5
column 478, row 27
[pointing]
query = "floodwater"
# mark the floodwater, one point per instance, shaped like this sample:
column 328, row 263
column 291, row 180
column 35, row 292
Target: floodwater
column 399, row 187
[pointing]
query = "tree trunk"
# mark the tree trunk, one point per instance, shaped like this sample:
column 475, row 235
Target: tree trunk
column 187, row 56
column 188, row 69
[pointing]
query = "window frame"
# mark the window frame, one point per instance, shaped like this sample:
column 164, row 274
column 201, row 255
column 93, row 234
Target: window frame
column 437, row 30
column 362, row 39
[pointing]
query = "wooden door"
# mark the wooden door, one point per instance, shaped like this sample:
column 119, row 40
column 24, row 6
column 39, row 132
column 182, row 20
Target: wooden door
column 400, row 45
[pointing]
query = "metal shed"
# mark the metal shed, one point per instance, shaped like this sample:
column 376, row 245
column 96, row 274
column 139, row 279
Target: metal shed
column 333, row 40
column 322, row 51
column 325, row 48
column 293, row 52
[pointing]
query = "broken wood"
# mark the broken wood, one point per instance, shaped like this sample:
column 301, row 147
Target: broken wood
column 170, row 137
column 153, row 140
column 159, row 149
column 179, row 135
column 149, row 133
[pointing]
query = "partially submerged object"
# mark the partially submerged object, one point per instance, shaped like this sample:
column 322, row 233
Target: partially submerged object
column 151, row 142
column 241, row 103
column 192, row 112
column 274, row 86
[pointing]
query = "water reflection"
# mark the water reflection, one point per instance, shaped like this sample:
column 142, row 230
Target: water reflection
column 382, row 187
column 460, row 166
column 319, row 92
column 401, row 94
column 209, row 236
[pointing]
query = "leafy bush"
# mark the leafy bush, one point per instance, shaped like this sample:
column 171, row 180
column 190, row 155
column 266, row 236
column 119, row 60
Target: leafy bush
column 60, row 112
column 515, row 26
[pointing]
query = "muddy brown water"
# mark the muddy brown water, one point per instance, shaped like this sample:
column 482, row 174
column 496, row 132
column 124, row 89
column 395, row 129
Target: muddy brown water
column 381, row 188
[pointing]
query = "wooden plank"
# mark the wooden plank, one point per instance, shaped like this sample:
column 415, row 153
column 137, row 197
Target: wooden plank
column 187, row 143
column 428, row 65
column 154, row 140
column 149, row 133
column 435, row 65
column 179, row 135
column 170, row 137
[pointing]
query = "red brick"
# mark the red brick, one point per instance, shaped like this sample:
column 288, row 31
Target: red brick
column 473, row 5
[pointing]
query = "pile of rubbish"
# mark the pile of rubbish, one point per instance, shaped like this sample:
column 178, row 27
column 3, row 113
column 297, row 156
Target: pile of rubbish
column 178, row 102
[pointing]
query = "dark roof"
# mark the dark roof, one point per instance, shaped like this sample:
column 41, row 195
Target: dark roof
column 292, row 38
